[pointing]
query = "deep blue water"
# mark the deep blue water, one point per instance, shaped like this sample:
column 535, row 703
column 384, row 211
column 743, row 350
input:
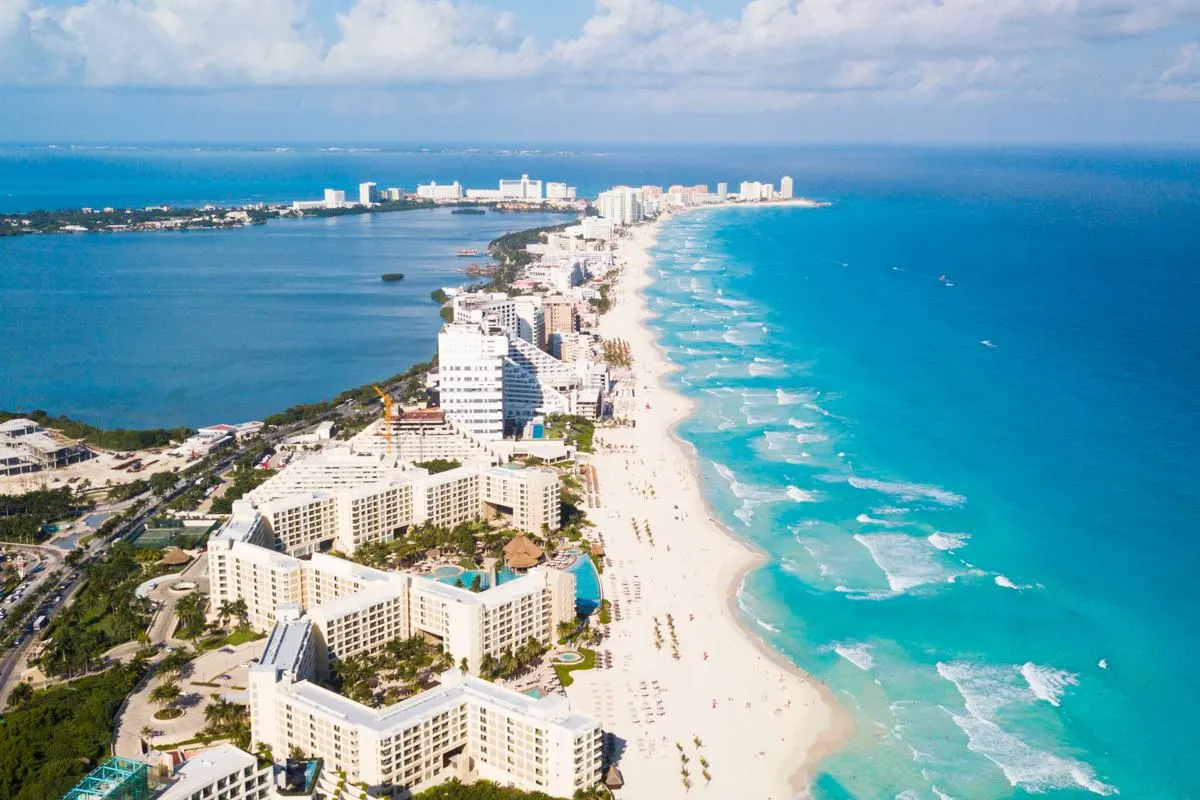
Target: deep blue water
column 198, row 327
column 958, row 411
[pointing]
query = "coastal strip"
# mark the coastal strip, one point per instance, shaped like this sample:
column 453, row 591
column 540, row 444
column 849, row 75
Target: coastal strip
column 692, row 692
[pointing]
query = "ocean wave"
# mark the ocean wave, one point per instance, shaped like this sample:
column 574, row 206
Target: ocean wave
column 857, row 653
column 905, row 491
column 751, row 496
column 786, row 398
column 800, row 424
column 811, row 438
column 747, row 410
column 763, row 367
column 867, row 519
column 987, row 689
column 1007, row 584
column 801, row 495
column 907, row 561
column 948, row 541
column 766, row 625
column 777, row 441
column 1048, row 683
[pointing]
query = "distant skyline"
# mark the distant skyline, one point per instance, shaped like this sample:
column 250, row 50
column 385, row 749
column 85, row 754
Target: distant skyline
column 803, row 71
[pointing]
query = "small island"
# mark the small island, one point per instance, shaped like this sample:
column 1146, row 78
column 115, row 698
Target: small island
column 391, row 277
column 468, row 211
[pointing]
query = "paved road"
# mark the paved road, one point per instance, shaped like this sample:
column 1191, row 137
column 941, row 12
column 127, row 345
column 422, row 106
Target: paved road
column 227, row 667
column 12, row 662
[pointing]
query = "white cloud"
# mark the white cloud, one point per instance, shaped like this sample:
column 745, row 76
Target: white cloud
column 776, row 53
column 1180, row 80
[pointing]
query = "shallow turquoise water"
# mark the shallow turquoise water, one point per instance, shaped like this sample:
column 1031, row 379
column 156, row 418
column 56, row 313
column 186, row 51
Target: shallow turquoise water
column 958, row 412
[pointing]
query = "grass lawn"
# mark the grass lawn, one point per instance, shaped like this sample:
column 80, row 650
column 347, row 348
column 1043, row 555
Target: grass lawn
column 564, row 670
column 241, row 636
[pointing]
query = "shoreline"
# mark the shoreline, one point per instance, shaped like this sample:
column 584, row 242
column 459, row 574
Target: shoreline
column 841, row 728
column 751, row 671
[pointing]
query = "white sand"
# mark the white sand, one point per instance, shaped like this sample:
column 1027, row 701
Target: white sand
column 771, row 722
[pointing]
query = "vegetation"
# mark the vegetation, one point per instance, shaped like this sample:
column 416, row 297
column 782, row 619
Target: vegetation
column 190, row 612
column 470, row 540
column 124, row 491
column 603, row 303
column 408, row 384
column 401, row 668
column 244, row 479
column 116, row 439
column 573, row 429
column 23, row 517
column 392, row 277
column 439, row 296
column 564, row 670
column 486, row 790
column 436, row 465
column 509, row 662
column 510, row 253
column 57, row 735
column 604, row 617
column 105, row 613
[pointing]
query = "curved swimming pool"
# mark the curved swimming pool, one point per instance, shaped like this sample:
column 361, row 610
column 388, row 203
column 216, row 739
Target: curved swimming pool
column 587, row 586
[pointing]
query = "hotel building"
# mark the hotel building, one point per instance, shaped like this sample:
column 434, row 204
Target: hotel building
column 220, row 773
column 623, row 205
column 471, row 378
column 464, row 728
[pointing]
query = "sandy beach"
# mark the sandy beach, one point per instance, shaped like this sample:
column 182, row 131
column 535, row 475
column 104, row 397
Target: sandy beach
column 728, row 700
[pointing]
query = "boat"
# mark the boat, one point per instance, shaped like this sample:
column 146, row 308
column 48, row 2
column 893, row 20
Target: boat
column 390, row 277
column 468, row 211
column 465, row 252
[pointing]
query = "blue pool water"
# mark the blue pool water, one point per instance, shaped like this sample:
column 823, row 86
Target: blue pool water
column 465, row 578
column 976, row 491
column 587, row 585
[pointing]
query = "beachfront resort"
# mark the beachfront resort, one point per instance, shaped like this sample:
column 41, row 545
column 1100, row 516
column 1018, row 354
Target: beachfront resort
column 428, row 592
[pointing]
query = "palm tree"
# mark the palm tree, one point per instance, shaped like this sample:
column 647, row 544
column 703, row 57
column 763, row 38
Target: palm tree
column 146, row 731
column 166, row 694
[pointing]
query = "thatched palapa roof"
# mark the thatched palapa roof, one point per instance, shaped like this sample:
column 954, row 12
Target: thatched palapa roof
column 172, row 556
column 522, row 553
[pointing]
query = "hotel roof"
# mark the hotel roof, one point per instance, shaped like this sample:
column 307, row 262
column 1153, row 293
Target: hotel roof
column 455, row 690
column 204, row 768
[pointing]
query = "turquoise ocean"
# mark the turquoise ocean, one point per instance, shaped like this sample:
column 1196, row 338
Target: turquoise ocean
column 958, row 414
column 956, row 409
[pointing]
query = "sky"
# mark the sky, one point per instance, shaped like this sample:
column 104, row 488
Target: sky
column 804, row 71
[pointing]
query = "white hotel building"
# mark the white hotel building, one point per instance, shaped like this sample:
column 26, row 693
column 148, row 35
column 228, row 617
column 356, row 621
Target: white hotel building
column 464, row 728
column 622, row 205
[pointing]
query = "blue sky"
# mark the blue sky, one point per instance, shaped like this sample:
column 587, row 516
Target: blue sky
column 345, row 71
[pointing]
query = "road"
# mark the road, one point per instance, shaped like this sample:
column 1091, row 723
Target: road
column 12, row 662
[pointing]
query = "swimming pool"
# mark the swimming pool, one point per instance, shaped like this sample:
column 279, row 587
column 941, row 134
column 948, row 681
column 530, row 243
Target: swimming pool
column 587, row 586
column 467, row 576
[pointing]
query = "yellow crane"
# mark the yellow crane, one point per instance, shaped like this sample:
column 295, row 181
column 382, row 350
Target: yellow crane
column 387, row 417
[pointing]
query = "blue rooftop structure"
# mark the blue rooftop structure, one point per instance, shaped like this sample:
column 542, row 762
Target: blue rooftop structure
column 115, row 779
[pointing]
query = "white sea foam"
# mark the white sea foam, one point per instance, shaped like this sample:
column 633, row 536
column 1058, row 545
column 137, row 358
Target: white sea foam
column 811, row 438
column 761, row 367
column 1102, row 663
column 766, row 625
column 1047, row 683
column 777, row 440
column 905, row 491
column 941, row 795
column 867, row 519
column 747, row 410
column 907, row 561
column 800, row 424
column 1007, row 584
column 751, row 496
column 744, row 335
column 785, row 398
column 987, row 689
column 857, row 653
column 948, row 541
column 800, row 495
column 729, row 302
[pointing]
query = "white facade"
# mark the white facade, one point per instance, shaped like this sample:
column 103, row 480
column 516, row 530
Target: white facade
column 785, row 188
column 355, row 609
column 471, row 378
column 368, row 193
column 464, row 728
column 722, row 192
column 434, row 191
column 560, row 191
column 393, row 193
column 622, row 205
column 335, row 198
column 521, row 189
column 597, row 228
column 220, row 773
column 531, row 324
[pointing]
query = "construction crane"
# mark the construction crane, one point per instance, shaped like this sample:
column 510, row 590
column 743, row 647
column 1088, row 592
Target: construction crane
column 387, row 417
